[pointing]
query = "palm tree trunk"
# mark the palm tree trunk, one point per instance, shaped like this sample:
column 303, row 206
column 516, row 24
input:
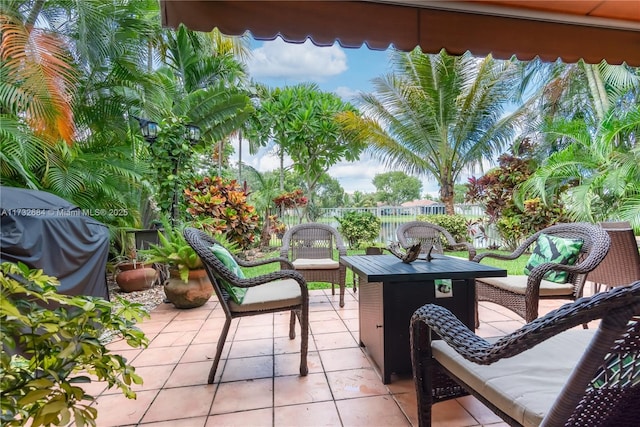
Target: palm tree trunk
column 447, row 196
column 35, row 12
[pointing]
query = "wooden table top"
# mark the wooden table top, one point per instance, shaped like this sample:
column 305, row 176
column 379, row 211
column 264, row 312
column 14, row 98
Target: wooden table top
column 383, row 268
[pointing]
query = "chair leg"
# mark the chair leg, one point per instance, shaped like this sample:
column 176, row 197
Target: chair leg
column 304, row 340
column 342, row 286
column 333, row 289
column 292, row 325
column 216, row 360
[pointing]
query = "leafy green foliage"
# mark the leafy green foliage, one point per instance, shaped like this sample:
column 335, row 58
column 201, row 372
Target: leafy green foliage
column 517, row 224
column 395, row 188
column 436, row 115
column 48, row 353
column 359, row 227
column 496, row 191
column 221, row 207
column 454, row 224
column 173, row 250
column 302, row 120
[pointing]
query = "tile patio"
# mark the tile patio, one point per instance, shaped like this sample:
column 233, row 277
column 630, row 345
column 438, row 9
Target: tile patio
column 257, row 383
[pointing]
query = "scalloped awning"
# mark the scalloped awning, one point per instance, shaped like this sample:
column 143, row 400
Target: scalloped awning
column 570, row 30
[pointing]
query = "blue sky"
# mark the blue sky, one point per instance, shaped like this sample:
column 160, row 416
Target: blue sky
column 335, row 69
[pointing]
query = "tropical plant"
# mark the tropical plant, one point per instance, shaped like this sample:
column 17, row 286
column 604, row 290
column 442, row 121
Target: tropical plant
column 221, row 207
column 359, row 227
column 51, row 345
column 302, row 121
column 264, row 188
column 174, row 251
column 598, row 172
column 495, row 191
column 64, row 89
column 438, row 115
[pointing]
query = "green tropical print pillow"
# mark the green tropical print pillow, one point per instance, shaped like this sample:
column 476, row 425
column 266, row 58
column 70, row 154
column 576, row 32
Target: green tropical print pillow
column 557, row 250
column 237, row 294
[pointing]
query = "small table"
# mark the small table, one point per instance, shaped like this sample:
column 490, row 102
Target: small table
column 391, row 291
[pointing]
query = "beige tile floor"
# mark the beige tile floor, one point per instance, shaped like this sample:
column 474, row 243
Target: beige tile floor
column 257, row 383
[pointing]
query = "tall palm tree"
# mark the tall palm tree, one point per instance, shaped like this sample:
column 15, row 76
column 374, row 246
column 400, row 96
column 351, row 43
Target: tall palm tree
column 437, row 115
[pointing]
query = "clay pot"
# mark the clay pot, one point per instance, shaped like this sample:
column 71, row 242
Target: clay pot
column 135, row 278
column 194, row 293
column 373, row 250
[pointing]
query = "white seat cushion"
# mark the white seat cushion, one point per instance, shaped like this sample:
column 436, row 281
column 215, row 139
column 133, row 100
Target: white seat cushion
column 524, row 386
column 276, row 294
column 316, row 264
column 518, row 285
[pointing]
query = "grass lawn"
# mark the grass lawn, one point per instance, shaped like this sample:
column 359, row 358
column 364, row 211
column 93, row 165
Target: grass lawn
column 512, row 267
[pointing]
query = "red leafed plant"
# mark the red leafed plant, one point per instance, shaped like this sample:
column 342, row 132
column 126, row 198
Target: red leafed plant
column 292, row 199
column 221, row 207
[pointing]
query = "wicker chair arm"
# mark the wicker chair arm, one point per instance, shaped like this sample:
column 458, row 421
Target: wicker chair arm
column 284, row 249
column 283, row 262
column 270, row 277
column 481, row 256
column 465, row 246
column 448, row 327
column 618, row 305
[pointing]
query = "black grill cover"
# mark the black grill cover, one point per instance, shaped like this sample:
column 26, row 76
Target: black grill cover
column 45, row 231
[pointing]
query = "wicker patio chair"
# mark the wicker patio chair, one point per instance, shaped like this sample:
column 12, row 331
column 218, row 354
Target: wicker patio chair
column 521, row 293
column 283, row 290
column 315, row 250
column 621, row 266
column 430, row 235
column 546, row 373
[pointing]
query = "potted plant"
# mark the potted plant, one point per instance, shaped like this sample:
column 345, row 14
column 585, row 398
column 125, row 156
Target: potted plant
column 188, row 285
column 132, row 272
column 373, row 248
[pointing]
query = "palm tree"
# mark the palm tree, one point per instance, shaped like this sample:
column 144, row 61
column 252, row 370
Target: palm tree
column 199, row 83
column 72, row 70
column 598, row 172
column 437, row 115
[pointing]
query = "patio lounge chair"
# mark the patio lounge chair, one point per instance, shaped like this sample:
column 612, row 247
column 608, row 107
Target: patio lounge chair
column 430, row 235
column 545, row 373
column 521, row 293
column 621, row 266
column 283, row 290
column 315, row 250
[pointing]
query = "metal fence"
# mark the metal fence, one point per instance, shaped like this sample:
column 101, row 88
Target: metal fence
column 392, row 216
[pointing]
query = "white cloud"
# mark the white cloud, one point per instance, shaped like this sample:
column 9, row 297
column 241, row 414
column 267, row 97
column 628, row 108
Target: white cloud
column 278, row 59
column 346, row 93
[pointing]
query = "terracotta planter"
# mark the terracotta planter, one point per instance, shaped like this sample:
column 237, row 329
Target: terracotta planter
column 138, row 277
column 194, row 293
column 373, row 250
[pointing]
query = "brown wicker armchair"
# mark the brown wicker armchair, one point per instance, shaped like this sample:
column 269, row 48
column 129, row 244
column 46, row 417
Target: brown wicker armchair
column 521, row 293
column 430, row 235
column 547, row 373
column 284, row 290
column 315, row 251
column 621, row 266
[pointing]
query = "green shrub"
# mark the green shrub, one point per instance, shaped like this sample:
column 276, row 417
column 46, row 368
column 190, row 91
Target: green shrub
column 454, row 224
column 48, row 353
column 516, row 225
column 359, row 227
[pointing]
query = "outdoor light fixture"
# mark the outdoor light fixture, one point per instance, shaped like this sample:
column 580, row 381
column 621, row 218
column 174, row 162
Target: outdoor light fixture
column 192, row 133
column 149, row 131
column 148, row 128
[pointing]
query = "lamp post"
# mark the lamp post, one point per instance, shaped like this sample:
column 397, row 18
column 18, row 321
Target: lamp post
column 149, row 131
